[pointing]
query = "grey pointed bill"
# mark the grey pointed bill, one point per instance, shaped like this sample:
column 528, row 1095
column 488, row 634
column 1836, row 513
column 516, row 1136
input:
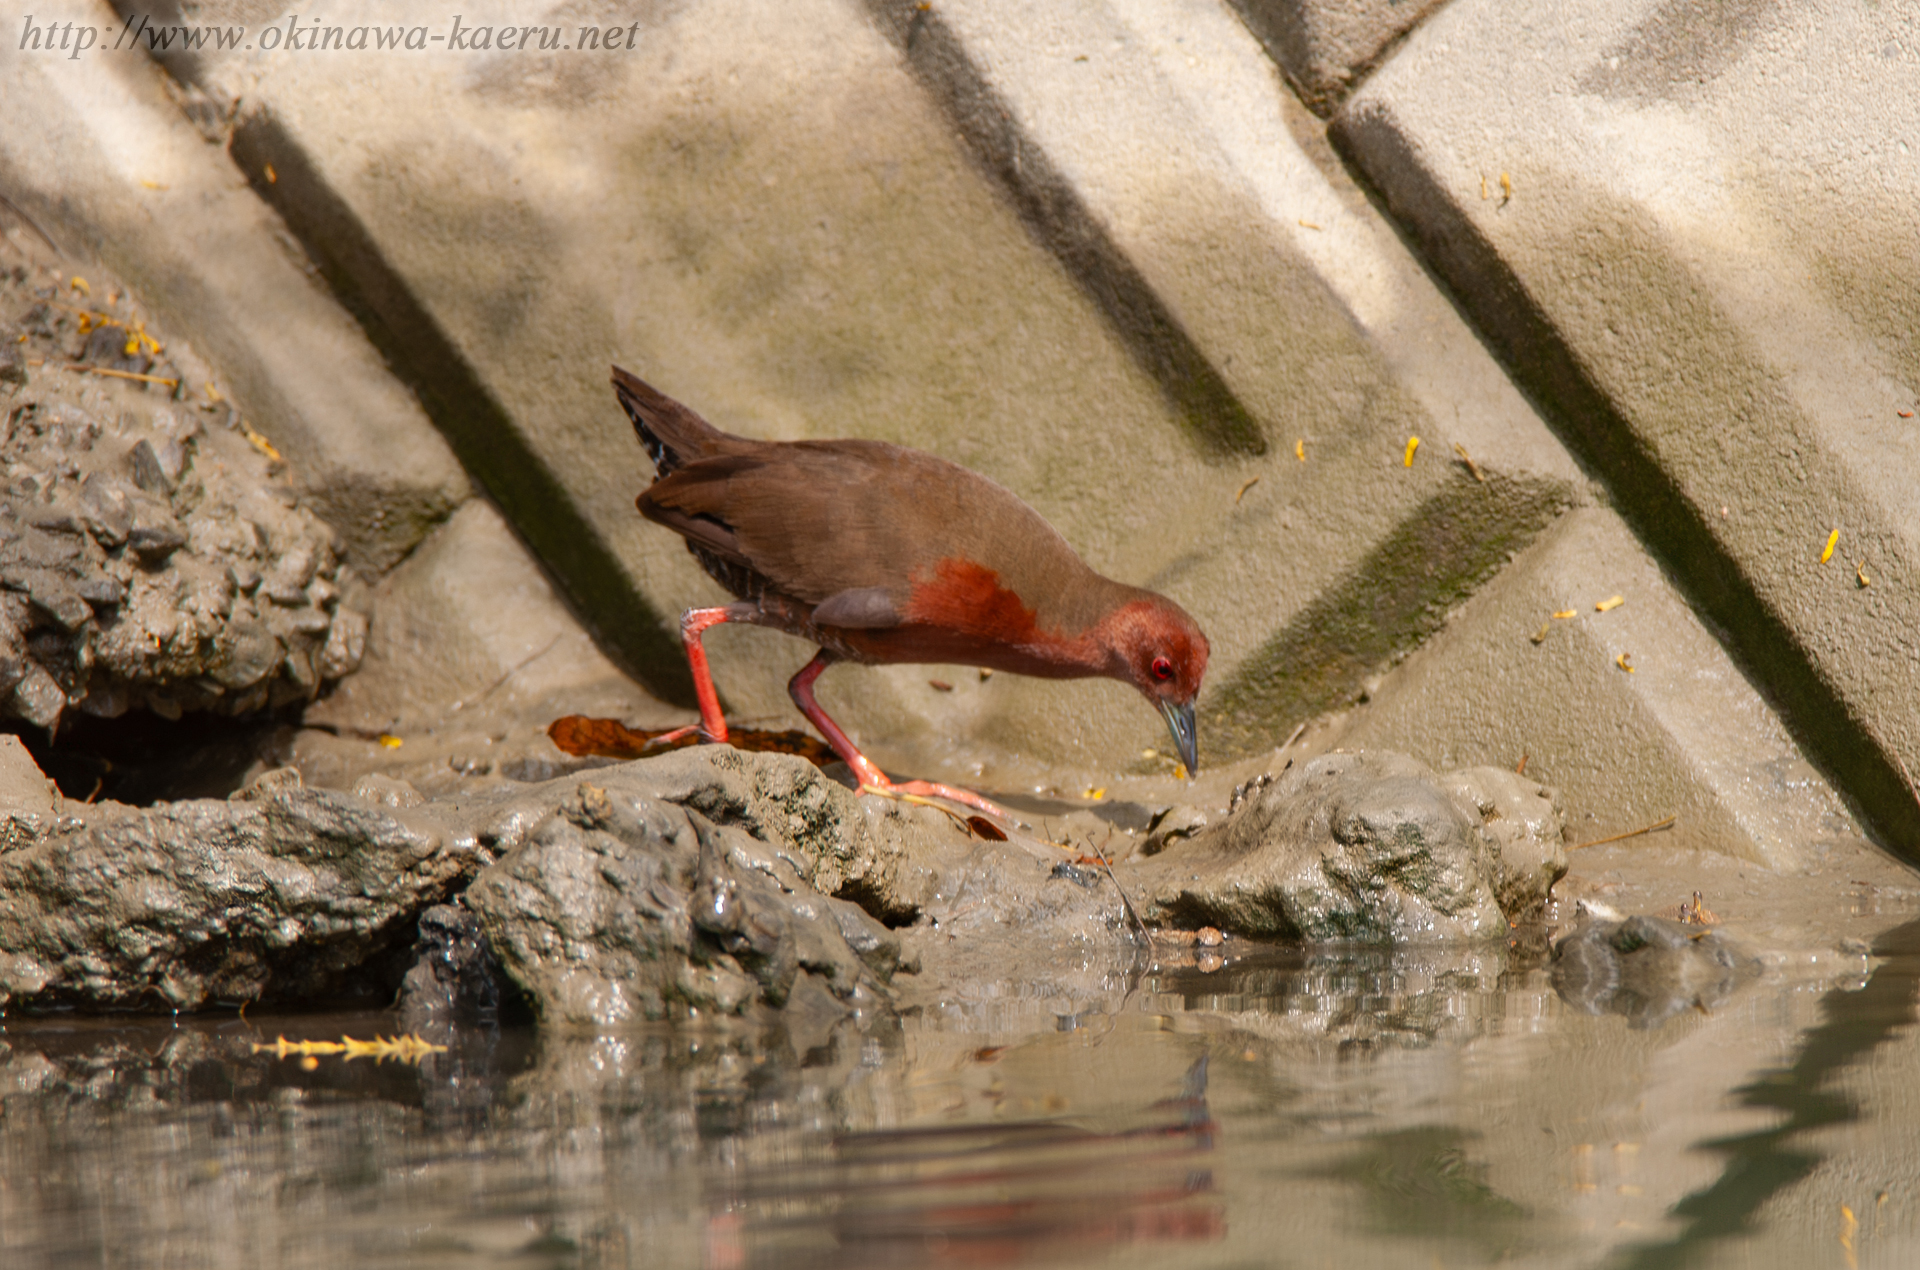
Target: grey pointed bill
column 1186, row 740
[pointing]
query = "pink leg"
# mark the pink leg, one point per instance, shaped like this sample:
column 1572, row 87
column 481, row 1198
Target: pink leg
column 869, row 777
column 713, row 724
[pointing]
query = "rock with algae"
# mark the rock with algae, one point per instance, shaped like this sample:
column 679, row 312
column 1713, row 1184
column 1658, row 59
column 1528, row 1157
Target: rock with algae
column 1371, row 848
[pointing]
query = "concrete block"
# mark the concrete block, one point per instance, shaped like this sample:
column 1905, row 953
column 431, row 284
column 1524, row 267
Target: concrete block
column 470, row 656
column 810, row 223
column 1327, row 46
column 1681, row 734
column 97, row 156
column 1683, row 243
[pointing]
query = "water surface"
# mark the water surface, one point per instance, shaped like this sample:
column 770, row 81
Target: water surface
column 1345, row 1109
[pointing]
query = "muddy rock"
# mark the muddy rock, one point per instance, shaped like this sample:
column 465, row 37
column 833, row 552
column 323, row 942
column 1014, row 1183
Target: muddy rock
column 455, row 978
column 1523, row 825
column 707, row 881
column 681, row 884
column 284, row 893
column 151, row 553
column 1649, row 969
column 1373, row 848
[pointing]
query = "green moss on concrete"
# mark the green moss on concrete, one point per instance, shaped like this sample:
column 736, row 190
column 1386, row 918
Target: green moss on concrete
column 1400, row 594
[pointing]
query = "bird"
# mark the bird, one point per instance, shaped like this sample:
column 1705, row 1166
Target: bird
column 881, row 554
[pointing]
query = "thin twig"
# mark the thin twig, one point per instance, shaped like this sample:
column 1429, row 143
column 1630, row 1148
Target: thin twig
column 123, row 374
column 1294, row 735
column 1631, row 833
column 1105, row 863
column 30, row 223
column 509, row 673
column 1466, row 458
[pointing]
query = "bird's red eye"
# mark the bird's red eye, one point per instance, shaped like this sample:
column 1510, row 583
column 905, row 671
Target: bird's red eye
column 1162, row 669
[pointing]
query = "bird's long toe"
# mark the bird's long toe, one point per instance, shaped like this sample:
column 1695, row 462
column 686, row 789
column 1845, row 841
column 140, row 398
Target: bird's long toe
column 678, row 735
column 933, row 789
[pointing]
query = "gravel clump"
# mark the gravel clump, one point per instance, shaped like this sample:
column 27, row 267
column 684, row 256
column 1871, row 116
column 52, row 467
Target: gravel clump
column 152, row 554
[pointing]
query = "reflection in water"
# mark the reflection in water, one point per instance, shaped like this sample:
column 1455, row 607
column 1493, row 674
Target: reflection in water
column 1424, row 1183
column 1761, row 1165
column 1352, row 1108
column 1000, row 1193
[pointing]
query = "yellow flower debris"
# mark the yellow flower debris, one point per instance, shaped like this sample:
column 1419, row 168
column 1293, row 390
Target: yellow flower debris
column 405, row 1049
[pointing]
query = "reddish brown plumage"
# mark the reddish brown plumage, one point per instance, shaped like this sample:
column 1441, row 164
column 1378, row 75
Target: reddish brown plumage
column 879, row 553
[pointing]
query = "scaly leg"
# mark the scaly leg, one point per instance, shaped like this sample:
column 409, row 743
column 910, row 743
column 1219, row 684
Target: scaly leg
column 713, row 724
column 869, row 777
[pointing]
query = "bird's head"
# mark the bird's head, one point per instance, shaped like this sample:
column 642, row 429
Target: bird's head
column 1157, row 648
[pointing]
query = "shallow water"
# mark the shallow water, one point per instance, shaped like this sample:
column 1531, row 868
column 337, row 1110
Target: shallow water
column 1326, row 1109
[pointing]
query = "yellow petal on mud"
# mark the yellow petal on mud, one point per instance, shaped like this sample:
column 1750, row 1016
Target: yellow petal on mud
column 1611, row 602
column 1833, row 540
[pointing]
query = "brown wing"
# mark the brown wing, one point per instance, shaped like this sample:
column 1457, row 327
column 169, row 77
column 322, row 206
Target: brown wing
column 818, row 519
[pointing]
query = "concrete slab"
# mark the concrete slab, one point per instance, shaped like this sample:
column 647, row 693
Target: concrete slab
column 470, row 656
column 1681, row 734
column 1327, row 46
column 791, row 232
column 97, row 156
column 1678, row 236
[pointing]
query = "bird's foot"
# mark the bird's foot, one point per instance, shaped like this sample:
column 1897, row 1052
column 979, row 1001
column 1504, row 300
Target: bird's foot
column 680, row 734
column 917, row 791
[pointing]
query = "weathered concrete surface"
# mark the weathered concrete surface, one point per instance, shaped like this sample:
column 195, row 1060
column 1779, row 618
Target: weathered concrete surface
column 1218, row 221
column 470, row 657
column 1683, row 244
column 1371, row 848
column 1683, row 734
column 100, row 156
column 149, row 555
column 819, row 255
column 1326, row 46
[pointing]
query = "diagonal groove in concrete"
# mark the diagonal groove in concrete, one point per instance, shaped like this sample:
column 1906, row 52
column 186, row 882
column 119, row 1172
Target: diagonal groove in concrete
column 1063, row 225
column 475, row 424
column 1836, row 732
column 1398, row 595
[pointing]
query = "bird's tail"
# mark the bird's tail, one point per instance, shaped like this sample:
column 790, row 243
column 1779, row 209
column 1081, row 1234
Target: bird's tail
column 673, row 434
